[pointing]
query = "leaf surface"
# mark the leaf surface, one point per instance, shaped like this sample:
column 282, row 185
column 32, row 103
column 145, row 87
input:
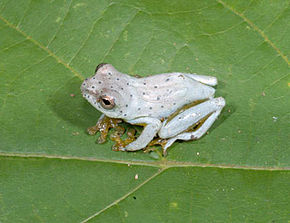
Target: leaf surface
column 51, row 169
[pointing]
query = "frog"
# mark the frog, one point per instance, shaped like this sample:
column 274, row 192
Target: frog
column 168, row 105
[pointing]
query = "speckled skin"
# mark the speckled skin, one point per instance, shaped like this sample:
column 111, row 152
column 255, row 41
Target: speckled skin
column 151, row 99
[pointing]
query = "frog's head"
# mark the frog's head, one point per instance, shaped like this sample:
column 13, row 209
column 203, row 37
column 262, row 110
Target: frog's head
column 105, row 91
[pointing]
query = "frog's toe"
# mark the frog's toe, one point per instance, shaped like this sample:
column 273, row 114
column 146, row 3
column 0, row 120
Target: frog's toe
column 168, row 144
column 123, row 149
column 132, row 147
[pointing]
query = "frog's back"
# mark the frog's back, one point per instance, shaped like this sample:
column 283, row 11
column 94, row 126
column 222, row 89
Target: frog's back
column 171, row 86
column 165, row 93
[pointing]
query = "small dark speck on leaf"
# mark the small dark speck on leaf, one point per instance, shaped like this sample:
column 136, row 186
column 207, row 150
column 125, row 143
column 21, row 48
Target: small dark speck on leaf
column 134, row 197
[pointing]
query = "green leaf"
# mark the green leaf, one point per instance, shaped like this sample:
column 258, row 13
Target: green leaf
column 52, row 171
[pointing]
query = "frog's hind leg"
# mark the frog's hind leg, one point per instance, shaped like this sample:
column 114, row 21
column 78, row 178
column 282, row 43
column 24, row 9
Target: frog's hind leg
column 211, row 108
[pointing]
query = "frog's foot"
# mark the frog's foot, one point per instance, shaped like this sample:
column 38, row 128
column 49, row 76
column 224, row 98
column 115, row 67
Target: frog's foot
column 103, row 125
column 120, row 143
column 92, row 130
column 157, row 141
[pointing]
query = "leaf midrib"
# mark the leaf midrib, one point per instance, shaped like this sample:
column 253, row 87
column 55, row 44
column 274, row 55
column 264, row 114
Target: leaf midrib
column 161, row 164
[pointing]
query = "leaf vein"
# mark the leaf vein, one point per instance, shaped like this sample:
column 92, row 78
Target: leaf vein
column 116, row 40
column 52, row 54
column 125, row 195
column 162, row 164
column 61, row 25
column 256, row 28
column 90, row 33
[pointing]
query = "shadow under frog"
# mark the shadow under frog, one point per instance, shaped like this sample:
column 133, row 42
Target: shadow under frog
column 67, row 104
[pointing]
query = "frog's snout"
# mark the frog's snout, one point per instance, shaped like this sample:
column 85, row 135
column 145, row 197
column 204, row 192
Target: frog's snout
column 87, row 89
column 84, row 86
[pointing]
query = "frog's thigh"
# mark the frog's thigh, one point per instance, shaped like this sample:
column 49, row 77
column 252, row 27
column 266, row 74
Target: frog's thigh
column 189, row 117
column 202, row 129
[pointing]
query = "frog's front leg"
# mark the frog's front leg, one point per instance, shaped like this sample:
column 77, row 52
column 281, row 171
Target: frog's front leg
column 177, row 127
column 152, row 126
column 103, row 126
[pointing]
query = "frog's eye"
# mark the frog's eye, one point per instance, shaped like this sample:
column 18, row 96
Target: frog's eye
column 99, row 66
column 107, row 102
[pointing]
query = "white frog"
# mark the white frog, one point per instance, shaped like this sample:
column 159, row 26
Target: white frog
column 160, row 103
